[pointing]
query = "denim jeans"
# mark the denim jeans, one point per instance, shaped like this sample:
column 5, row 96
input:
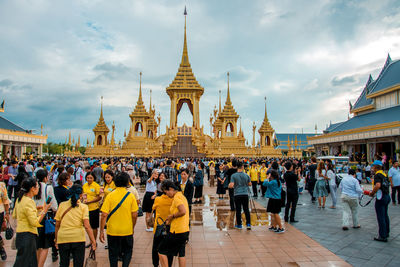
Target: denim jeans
column 350, row 207
column 381, row 209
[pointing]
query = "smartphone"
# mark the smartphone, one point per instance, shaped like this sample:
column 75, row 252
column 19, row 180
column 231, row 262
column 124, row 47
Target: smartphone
column 48, row 200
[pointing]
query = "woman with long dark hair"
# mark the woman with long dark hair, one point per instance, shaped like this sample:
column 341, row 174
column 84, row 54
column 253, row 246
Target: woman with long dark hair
column 320, row 190
column 220, row 174
column 109, row 184
column 72, row 219
column 44, row 241
column 28, row 221
column 274, row 188
column 332, row 183
column 149, row 196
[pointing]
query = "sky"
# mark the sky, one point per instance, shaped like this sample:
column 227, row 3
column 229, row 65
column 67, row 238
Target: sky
column 309, row 58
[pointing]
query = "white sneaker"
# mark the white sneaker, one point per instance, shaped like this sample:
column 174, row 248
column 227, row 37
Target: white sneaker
column 149, row 229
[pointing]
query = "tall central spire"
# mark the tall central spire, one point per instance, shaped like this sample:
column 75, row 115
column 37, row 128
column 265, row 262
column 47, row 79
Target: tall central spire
column 185, row 56
column 184, row 79
column 228, row 96
column 140, row 100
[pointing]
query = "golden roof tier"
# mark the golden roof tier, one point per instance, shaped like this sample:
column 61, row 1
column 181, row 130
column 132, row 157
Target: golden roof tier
column 266, row 126
column 140, row 109
column 228, row 110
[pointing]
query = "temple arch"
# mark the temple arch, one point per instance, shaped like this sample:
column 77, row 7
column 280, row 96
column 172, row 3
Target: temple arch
column 229, row 129
column 99, row 140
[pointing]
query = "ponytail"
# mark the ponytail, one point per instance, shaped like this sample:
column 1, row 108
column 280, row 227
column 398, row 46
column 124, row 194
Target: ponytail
column 74, row 194
column 26, row 186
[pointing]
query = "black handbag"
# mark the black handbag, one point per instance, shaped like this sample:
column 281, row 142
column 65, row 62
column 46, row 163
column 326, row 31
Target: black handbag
column 283, row 198
column 161, row 229
column 9, row 231
column 327, row 187
column 140, row 212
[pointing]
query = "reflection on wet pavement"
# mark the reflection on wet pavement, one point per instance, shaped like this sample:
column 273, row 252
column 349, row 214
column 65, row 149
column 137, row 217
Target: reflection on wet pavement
column 215, row 214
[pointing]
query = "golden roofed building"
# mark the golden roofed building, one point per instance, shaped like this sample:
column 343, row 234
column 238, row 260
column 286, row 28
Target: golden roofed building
column 143, row 139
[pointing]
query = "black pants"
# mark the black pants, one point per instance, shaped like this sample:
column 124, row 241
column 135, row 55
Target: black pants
column 26, row 250
column 231, row 199
column 263, row 190
column 1, row 223
column 254, row 186
column 381, row 209
column 242, row 201
column 310, row 188
column 291, row 202
column 394, row 190
column 154, row 252
column 120, row 245
column 77, row 249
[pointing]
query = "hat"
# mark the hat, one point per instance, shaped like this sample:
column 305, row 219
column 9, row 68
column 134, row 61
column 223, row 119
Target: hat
column 378, row 163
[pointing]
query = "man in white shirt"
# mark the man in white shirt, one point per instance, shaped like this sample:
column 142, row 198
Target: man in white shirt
column 394, row 177
column 351, row 191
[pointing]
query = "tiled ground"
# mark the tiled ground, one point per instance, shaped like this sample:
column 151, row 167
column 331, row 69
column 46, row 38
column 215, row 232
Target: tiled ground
column 213, row 242
column 356, row 246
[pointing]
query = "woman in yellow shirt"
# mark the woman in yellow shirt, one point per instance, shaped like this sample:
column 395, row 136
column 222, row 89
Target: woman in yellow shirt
column 175, row 242
column 162, row 205
column 27, row 222
column 72, row 219
column 92, row 198
column 109, row 184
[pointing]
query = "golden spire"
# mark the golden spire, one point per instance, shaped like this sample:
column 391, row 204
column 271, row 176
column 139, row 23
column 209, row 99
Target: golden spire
column 219, row 109
column 140, row 109
column 228, row 96
column 69, row 138
column 87, row 142
column 150, row 100
column 101, row 125
column 41, row 129
column 79, row 141
column 112, row 135
column 228, row 110
column 266, row 126
column 140, row 100
column 184, row 78
column 125, row 133
column 185, row 56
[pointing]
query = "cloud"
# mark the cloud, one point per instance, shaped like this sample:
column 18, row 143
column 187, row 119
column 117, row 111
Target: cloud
column 337, row 81
column 5, row 83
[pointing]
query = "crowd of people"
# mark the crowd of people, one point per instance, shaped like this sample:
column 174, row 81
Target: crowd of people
column 57, row 202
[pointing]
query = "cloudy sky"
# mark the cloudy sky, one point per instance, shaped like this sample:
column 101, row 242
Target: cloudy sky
column 310, row 58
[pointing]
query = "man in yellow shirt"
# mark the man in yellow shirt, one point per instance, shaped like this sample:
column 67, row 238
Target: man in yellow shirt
column 119, row 211
column 254, row 178
column 174, row 244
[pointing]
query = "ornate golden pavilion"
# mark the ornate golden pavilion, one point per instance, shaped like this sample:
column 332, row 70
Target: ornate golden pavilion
column 143, row 139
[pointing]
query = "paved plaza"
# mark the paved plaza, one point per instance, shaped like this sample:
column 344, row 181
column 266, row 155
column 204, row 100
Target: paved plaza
column 356, row 246
column 214, row 242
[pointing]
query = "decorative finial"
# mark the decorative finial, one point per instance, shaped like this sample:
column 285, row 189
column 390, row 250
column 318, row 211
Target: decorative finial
column 265, row 99
column 228, row 96
column 101, row 110
column 185, row 12
column 185, row 57
column 150, row 98
column 219, row 109
column 140, row 101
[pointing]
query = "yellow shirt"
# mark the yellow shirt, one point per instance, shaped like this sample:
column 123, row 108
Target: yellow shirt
column 92, row 191
column 27, row 216
column 253, row 173
column 120, row 223
column 108, row 188
column 181, row 224
column 3, row 197
column 162, row 206
column 263, row 173
column 104, row 166
column 71, row 227
column 133, row 190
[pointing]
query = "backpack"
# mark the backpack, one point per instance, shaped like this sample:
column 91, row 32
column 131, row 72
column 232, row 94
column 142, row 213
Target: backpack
column 385, row 185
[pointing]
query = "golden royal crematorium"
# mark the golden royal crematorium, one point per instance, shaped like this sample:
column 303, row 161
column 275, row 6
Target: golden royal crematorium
column 144, row 139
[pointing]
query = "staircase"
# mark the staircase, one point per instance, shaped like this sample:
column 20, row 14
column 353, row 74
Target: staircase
column 183, row 148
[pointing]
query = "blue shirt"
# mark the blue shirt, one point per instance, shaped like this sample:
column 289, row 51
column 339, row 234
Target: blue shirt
column 13, row 171
column 395, row 174
column 350, row 186
column 273, row 189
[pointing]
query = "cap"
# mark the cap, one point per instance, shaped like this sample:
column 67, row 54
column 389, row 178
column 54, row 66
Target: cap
column 378, row 163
